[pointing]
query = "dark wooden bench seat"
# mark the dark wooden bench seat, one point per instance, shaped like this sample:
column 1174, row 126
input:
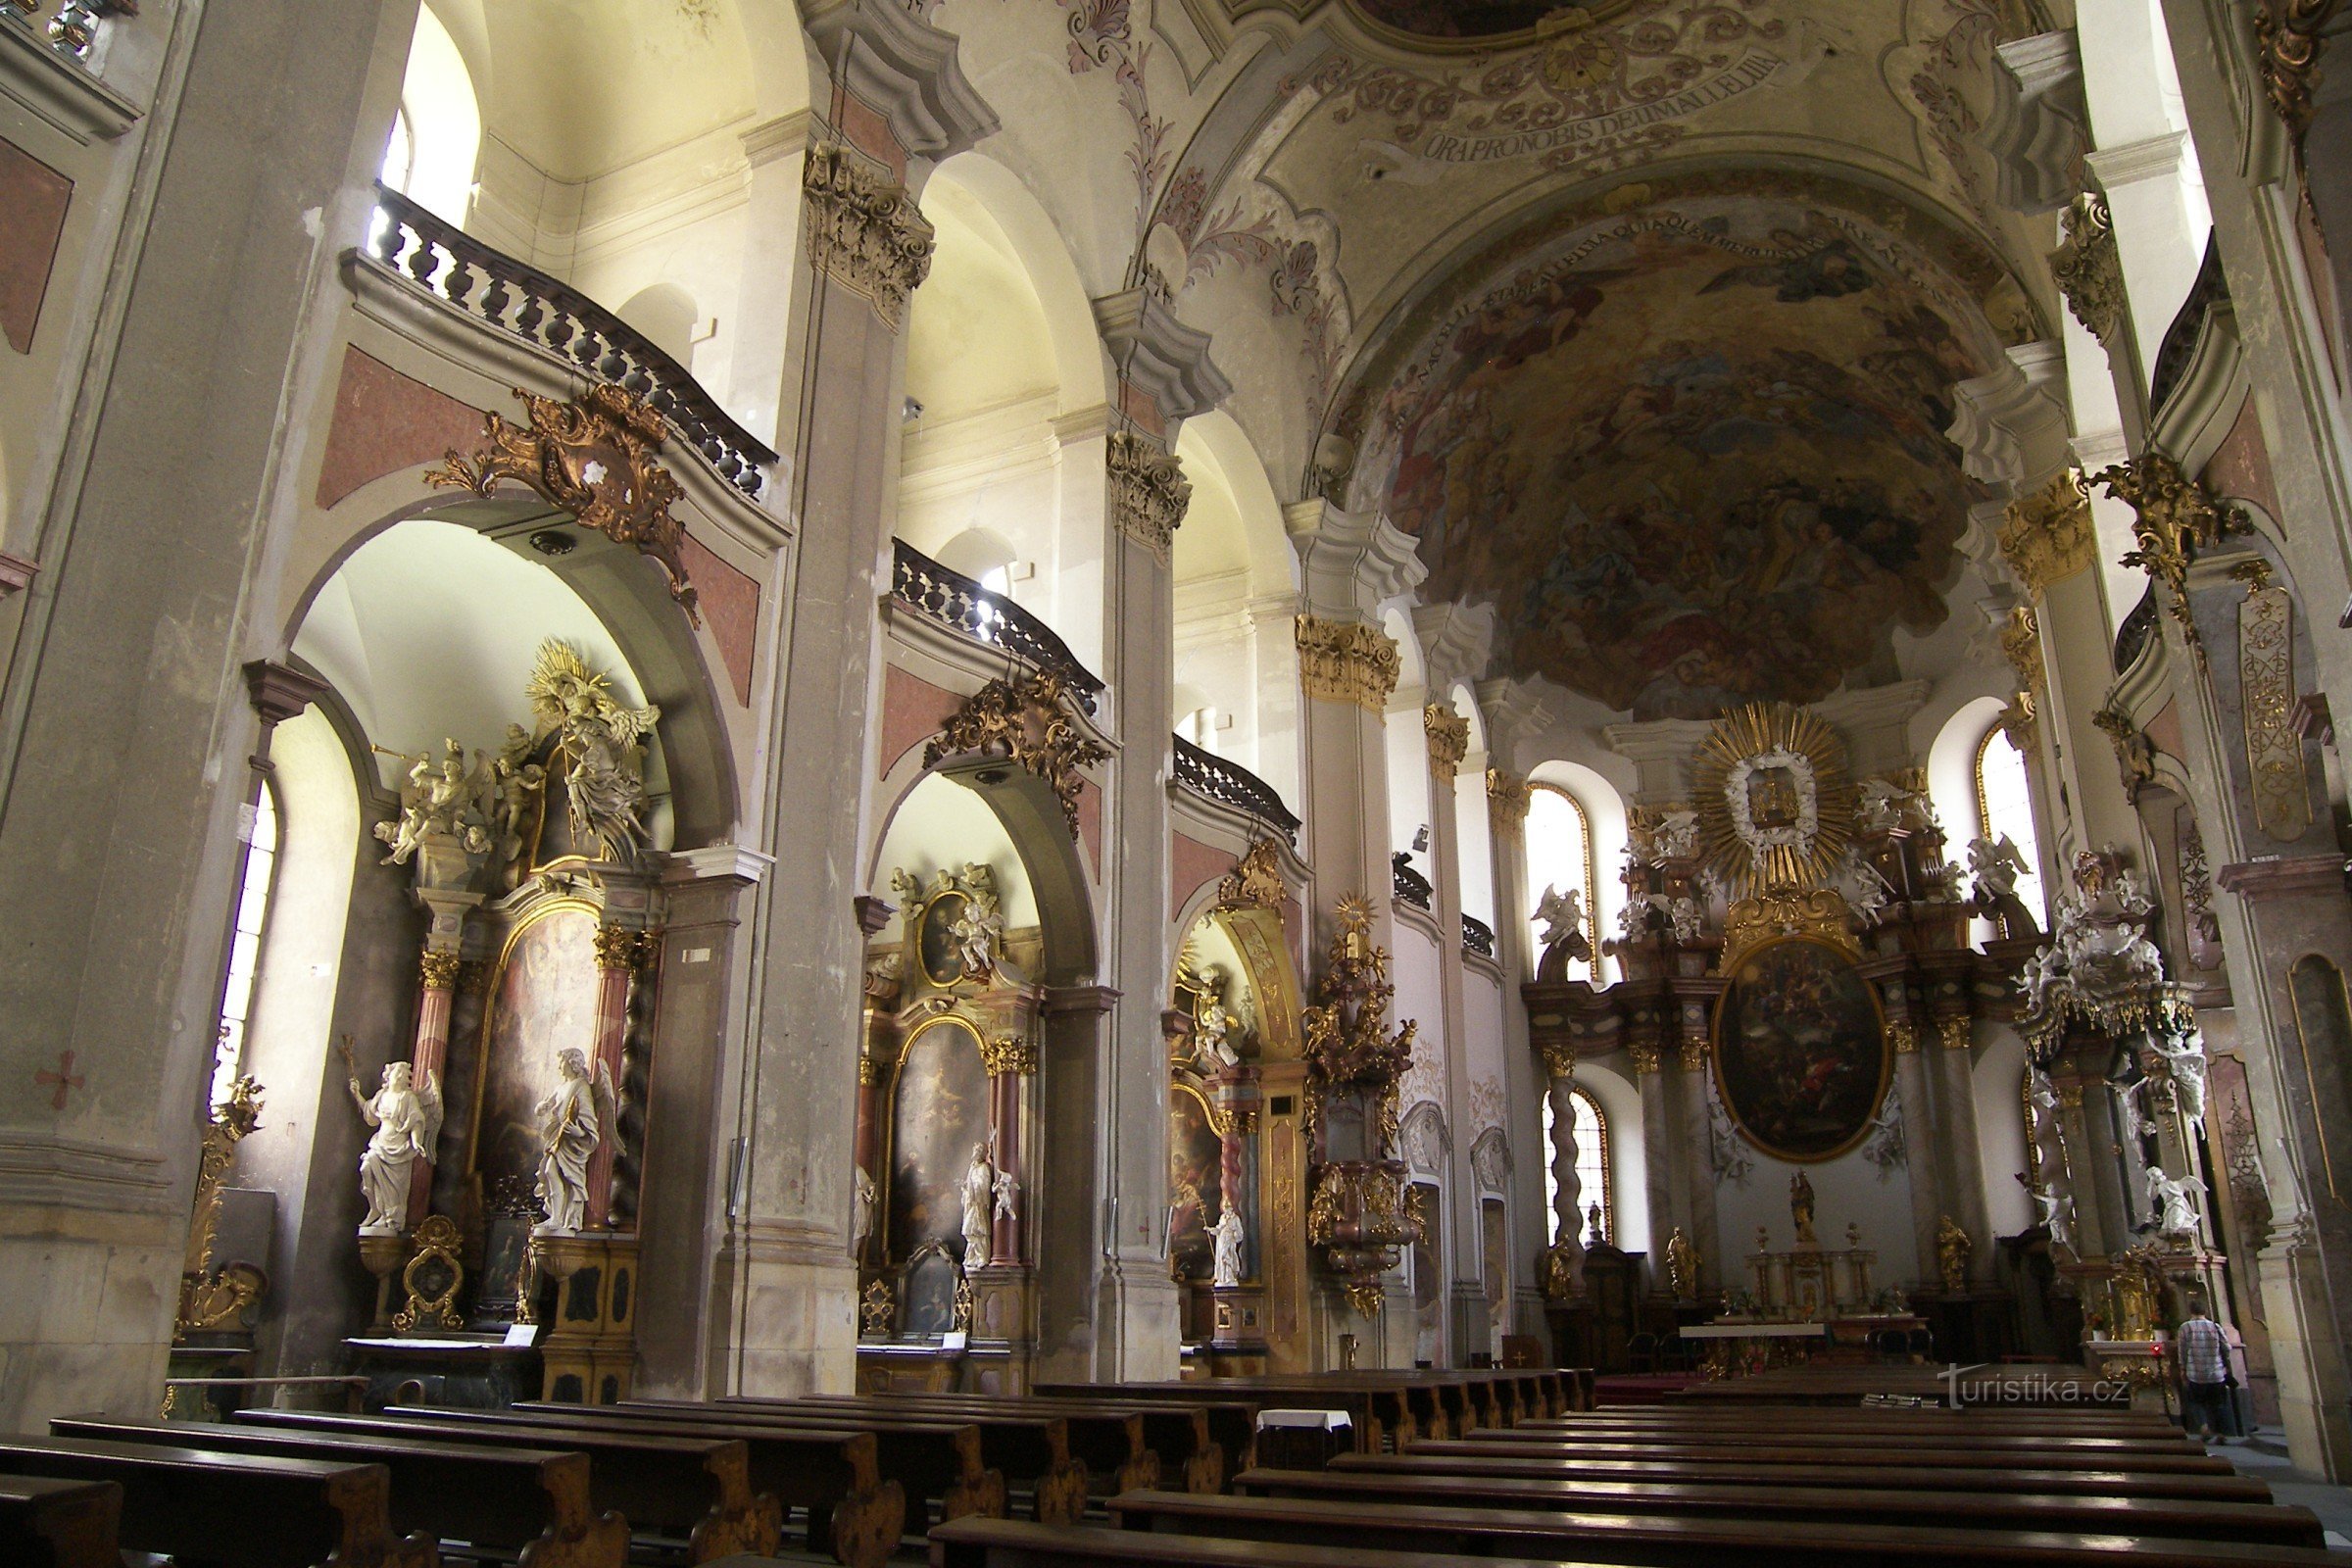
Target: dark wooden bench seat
column 2073, row 1423
column 853, row 1513
column 1177, row 1436
column 1012, row 1544
column 1784, row 1503
column 1375, row 1412
column 1860, row 1451
column 937, row 1460
column 1231, row 1415
column 236, row 1510
column 1472, row 1457
column 1672, row 1541
column 1107, row 1441
column 48, row 1522
column 531, row 1502
column 695, row 1488
column 1033, row 1451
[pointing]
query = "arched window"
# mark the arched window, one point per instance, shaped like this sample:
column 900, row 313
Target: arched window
column 2005, row 804
column 1594, row 1178
column 1559, row 855
column 245, row 941
column 399, row 154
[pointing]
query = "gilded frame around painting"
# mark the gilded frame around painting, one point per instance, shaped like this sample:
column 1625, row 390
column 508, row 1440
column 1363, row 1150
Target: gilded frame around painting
column 1834, row 1038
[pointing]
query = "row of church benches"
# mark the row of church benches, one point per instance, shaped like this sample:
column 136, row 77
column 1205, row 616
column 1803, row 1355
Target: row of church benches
column 1679, row 1486
column 572, row 1487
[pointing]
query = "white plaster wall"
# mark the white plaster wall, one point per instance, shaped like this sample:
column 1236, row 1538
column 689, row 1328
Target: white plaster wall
column 1483, row 1047
column 1416, row 972
column 1846, row 1191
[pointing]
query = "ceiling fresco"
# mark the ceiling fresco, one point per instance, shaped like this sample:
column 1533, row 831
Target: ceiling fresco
column 1692, row 450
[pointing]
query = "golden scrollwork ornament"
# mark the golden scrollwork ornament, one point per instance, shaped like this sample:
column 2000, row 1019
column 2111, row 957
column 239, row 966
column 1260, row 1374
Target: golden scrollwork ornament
column 1775, row 803
column 1029, row 720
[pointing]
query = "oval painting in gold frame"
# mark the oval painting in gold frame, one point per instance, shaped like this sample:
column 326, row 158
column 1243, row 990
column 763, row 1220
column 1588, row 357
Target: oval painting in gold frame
column 1801, row 1056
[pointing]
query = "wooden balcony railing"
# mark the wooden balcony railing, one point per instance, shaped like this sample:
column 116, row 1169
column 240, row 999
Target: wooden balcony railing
column 953, row 600
column 1478, row 936
column 1411, row 886
column 492, row 287
column 1206, row 773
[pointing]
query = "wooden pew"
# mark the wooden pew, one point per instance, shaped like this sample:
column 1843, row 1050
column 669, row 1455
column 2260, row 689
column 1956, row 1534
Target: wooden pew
column 1031, row 1450
column 1669, row 1541
column 1232, row 1416
column 853, row 1514
column 1014, row 1543
column 532, row 1502
column 691, row 1487
column 1801, row 1435
column 1860, row 1451
column 1108, row 1439
column 1177, row 1437
column 240, row 1512
column 2268, row 1523
column 1473, row 1459
column 1824, row 1418
column 937, row 1460
column 46, row 1522
column 1376, row 1410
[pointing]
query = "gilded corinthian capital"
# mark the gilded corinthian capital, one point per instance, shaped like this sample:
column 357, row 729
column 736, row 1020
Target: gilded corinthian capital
column 863, row 230
column 1449, row 735
column 1346, row 662
column 2049, row 535
column 1148, row 495
column 1508, row 797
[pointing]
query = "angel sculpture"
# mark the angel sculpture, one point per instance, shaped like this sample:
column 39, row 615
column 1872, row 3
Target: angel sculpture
column 906, row 888
column 975, row 1191
column 1881, row 803
column 1996, row 864
column 604, row 742
column 1862, row 887
column 861, row 1213
column 407, row 1121
column 575, row 1118
column 1562, row 914
column 445, row 798
column 975, row 934
column 1213, row 1028
column 1007, row 1190
column 1676, row 837
column 1689, row 923
column 2180, row 1046
column 2175, row 1210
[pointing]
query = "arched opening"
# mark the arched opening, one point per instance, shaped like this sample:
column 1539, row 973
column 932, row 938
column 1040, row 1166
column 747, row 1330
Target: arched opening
column 437, row 132
column 668, row 316
column 249, row 925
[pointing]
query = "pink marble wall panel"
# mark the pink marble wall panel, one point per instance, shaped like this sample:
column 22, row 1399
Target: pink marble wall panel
column 2241, row 465
column 1191, row 863
column 912, row 712
column 1090, row 824
column 729, row 601
column 386, row 421
column 33, row 197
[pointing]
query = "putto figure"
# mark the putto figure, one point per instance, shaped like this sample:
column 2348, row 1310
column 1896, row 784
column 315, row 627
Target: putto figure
column 407, row 1121
column 575, row 1118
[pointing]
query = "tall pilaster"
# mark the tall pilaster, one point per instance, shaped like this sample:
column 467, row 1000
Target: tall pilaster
column 1513, row 713
column 894, row 102
column 1448, row 736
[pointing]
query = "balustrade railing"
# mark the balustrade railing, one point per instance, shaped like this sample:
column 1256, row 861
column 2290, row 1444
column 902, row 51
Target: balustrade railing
column 1204, row 773
column 1411, row 886
column 2131, row 637
column 69, row 26
column 490, row 286
column 1478, row 936
column 2180, row 342
column 953, row 600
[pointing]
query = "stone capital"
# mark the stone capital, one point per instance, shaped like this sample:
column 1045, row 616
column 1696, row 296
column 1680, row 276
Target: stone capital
column 905, row 71
column 1346, row 662
column 1350, row 562
column 2088, row 267
column 863, row 230
column 2050, row 536
column 1448, row 734
column 1508, row 797
column 438, row 969
column 1148, row 495
column 280, row 692
column 1158, row 359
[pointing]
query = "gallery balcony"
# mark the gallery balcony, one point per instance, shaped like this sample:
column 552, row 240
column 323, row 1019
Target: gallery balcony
column 1212, row 777
column 437, row 257
column 952, row 600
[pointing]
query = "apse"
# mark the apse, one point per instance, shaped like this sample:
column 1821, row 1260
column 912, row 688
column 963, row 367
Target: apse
column 1693, row 449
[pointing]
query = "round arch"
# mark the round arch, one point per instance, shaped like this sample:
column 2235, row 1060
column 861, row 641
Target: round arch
column 1037, row 243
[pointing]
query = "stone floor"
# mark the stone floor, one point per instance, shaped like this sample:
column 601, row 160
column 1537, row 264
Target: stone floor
column 2265, row 1455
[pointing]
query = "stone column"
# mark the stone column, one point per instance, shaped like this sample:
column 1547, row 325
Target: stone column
column 1918, row 1139
column 1513, row 714
column 620, row 953
column 895, row 102
column 1567, row 1202
column 1011, row 1066
column 1665, row 1170
column 1698, row 1138
column 1959, row 1149
column 1448, row 736
column 428, row 1057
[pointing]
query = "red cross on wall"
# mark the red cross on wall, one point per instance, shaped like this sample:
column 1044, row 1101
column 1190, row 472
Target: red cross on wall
column 66, row 1079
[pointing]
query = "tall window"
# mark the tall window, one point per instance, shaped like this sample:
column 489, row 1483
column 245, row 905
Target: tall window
column 399, row 154
column 1593, row 1181
column 1559, row 855
column 2005, row 804
column 245, row 942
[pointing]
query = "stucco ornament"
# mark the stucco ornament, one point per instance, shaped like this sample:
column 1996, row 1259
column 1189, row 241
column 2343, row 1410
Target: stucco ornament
column 1776, row 805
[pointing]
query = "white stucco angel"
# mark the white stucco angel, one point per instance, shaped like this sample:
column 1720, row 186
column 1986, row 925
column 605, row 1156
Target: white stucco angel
column 407, row 1120
column 1864, row 889
column 2178, row 1046
column 976, row 933
column 976, row 1191
column 2175, row 1210
column 1007, row 1190
column 1229, row 1235
column 862, row 1212
column 1881, row 803
column 1214, row 1026
column 1562, row 914
column 576, row 1117
column 1689, row 924
column 1996, row 864
column 1677, row 836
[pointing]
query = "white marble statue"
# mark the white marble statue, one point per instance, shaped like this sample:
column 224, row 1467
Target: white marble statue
column 1007, row 1190
column 2176, row 1211
column 1864, row 889
column 1676, row 837
column 1562, row 914
column 1229, row 1235
column 406, row 1121
column 1880, row 806
column 1689, row 923
column 2180, row 1047
column 861, row 1214
column 1213, row 1029
column 1632, row 921
column 574, row 1119
column 976, row 1191
column 975, row 934
column 1996, row 864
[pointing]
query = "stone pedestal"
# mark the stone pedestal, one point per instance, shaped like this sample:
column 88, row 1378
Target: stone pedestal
column 1236, row 1340
column 383, row 1257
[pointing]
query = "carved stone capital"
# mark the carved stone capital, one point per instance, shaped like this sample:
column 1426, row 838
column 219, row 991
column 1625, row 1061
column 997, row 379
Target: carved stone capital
column 1905, row 1038
column 1644, row 1056
column 2021, row 645
column 623, row 948
column 1346, row 662
column 2089, row 269
column 1559, row 1059
column 1449, row 735
column 2049, row 535
column 2174, row 517
column 438, row 970
column 1009, row 1053
column 863, row 230
column 1955, row 1034
column 1148, row 494
column 1692, row 1058
column 869, row 1071
column 1508, row 797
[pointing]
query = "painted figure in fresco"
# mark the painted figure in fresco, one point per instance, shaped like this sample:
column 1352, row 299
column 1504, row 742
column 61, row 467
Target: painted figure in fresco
column 1230, row 1233
column 575, row 1118
column 407, row 1120
column 977, row 1190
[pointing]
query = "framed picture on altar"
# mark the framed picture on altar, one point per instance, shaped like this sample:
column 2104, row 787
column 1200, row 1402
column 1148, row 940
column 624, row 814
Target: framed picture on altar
column 935, row 938
column 1801, row 1054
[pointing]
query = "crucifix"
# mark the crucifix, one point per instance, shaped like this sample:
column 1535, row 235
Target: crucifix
column 66, row 1079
